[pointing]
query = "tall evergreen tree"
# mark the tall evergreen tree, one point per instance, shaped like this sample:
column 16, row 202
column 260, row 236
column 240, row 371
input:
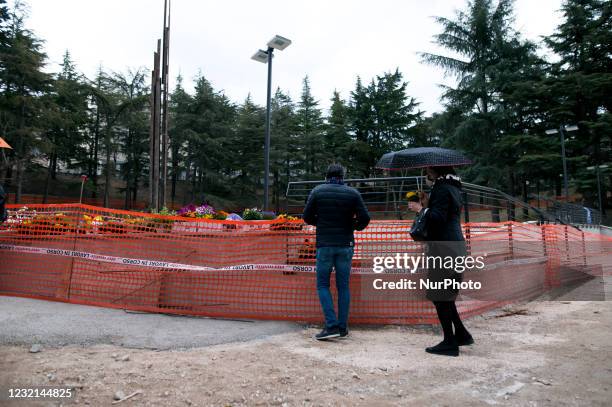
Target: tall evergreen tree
column 283, row 138
column 180, row 105
column 131, row 130
column 381, row 115
column 22, row 85
column 491, row 58
column 580, row 87
column 67, row 117
column 248, row 151
column 337, row 131
column 310, row 128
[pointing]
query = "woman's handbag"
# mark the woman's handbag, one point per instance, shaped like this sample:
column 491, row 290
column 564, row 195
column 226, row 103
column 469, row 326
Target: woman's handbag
column 418, row 231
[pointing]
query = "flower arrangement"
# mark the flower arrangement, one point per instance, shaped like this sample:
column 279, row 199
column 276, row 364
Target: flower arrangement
column 220, row 215
column 252, row 214
column 91, row 223
column 284, row 216
column 167, row 212
column 48, row 224
column 286, row 222
column 204, row 211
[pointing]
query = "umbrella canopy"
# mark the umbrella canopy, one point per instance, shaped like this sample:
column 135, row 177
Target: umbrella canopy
column 422, row 157
column 4, row 144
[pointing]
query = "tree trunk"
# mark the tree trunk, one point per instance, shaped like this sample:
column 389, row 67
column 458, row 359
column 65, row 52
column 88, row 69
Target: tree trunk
column 174, row 172
column 276, row 190
column 54, row 165
column 96, row 152
column 19, row 180
column 20, row 152
column 48, row 181
column 135, row 190
column 107, row 176
column 193, row 184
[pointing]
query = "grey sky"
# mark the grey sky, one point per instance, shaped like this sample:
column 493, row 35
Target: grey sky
column 333, row 41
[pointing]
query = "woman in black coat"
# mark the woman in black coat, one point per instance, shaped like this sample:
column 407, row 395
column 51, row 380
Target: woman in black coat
column 444, row 238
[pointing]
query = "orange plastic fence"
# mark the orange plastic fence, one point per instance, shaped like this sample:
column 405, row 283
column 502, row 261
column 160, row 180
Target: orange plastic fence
column 258, row 269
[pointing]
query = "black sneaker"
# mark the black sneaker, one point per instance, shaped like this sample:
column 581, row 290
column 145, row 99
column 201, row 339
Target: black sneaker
column 464, row 339
column 344, row 332
column 327, row 333
column 444, row 348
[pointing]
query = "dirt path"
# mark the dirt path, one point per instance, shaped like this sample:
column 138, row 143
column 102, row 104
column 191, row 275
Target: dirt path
column 557, row 354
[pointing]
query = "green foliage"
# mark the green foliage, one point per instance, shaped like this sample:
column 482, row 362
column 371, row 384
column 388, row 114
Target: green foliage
column 252, row 214
column 504, row 98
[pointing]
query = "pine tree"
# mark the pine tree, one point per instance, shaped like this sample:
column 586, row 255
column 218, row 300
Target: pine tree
column 180, row 116
column 22, row 84
column 310, row 128
column 248, row 150
column 491, row 60
column 283, row 138
column 580, row 86
column 131, row 129
column 66, row 118
column 381, row 117
column 337, row 131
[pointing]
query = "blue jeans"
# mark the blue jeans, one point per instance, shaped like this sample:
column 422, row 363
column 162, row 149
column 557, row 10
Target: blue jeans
column 340, row 258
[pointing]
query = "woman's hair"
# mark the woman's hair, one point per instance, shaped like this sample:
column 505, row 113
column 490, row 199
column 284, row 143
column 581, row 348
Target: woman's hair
column 443, row 171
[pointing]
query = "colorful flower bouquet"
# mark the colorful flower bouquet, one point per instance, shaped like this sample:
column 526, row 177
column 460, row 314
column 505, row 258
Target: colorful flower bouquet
column 206, row 211
column 201, row 212
column 113, row 226
column 47, row 224
column 286, row 222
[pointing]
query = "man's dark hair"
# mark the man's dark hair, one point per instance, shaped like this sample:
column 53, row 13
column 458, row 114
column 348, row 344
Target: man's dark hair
column 335, row 171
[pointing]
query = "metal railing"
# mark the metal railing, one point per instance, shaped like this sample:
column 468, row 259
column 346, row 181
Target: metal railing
column 385, row 199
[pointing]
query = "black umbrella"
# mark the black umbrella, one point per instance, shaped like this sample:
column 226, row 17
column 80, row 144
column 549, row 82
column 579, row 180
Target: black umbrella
column 422, row 157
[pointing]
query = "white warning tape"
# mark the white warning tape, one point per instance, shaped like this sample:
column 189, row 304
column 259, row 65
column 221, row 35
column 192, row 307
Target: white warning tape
column 179, row 266
column 155, row 263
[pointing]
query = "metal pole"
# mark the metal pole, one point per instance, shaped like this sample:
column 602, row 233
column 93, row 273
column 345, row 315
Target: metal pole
column 164, row 106
column 599, row 190
column 564, row 164
column 81, row 196
column 267, row 139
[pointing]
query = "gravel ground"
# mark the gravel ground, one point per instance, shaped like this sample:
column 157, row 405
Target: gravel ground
column 538, row 354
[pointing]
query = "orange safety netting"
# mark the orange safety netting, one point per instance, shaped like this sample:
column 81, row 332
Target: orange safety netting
column 261, row 269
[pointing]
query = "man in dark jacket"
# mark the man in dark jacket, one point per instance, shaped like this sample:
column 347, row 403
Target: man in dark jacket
column 336, row 210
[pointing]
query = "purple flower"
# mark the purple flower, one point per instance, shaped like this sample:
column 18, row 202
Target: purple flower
column 205, row 210
column 186, row 209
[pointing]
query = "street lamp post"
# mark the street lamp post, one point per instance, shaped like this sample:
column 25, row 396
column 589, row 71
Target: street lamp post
column 279, row 43
column 560, row 131
column 597, row 169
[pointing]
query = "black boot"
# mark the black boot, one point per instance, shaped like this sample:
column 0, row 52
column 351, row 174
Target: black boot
column 445, row 348
column 461, row 334
column 464, row 338
column 448, row 346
